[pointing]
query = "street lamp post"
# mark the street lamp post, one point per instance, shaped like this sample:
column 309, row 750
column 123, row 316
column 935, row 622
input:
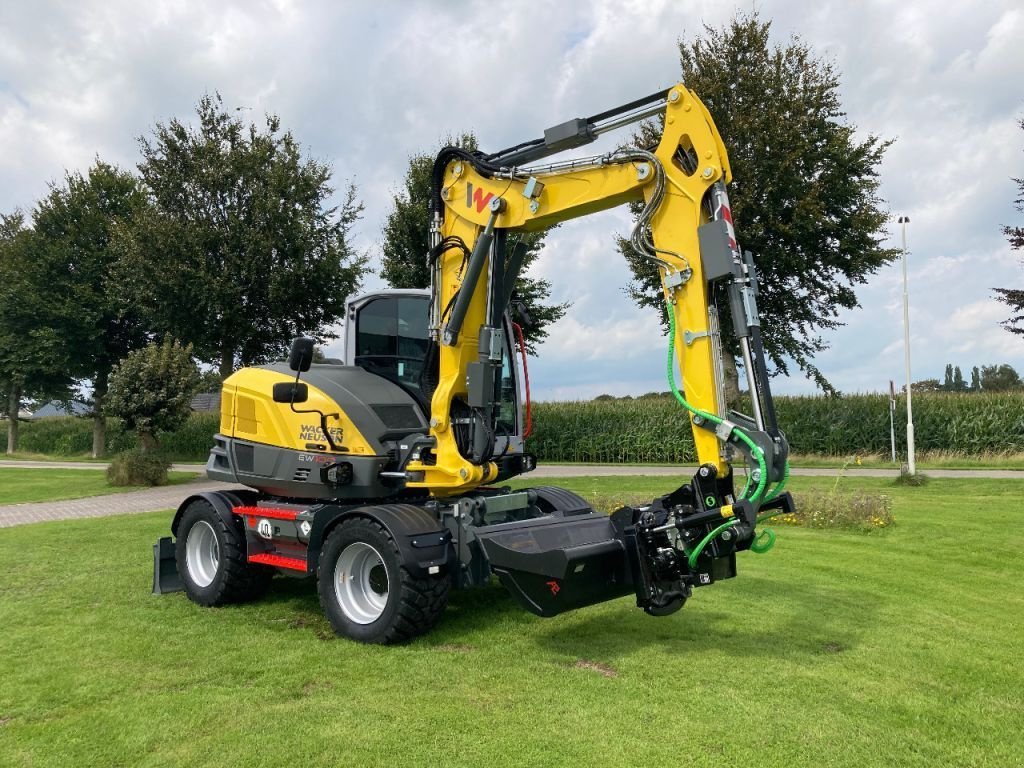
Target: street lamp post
column 911, row 469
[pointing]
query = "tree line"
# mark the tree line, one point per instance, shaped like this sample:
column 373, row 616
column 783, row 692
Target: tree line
column 1000, row 377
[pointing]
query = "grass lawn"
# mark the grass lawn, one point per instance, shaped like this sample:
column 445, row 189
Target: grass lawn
column 21, row 485
column 898, row 648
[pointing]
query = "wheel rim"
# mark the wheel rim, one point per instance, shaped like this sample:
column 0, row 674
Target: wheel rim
column 202, row 554
column 361, row 583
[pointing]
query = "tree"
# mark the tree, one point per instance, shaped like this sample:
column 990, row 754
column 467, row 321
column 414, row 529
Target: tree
column 152, row 388
column 1014, row 297
column 975, row 379
column 242, row 251
column 406, row 237
column 33, row 352
column 958, row 380
column 76, row 226
column 999, row 378
column 925, row 385
column 947, row 382
column 805, row 192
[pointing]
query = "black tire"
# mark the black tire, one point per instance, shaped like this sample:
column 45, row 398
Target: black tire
column 233, row 579
column 409, row 610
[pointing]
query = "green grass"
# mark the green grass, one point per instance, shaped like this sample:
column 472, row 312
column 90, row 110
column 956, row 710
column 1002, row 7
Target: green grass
column 897, row 648
column 20, row 485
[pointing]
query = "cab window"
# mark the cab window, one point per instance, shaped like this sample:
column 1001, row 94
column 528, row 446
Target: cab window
column 391, row 338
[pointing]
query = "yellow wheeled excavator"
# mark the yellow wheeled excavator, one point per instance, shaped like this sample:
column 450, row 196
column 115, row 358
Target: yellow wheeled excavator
column 381, row 475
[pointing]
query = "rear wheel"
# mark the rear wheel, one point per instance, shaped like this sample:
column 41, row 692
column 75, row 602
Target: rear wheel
column 211, row 559
column 368, row 593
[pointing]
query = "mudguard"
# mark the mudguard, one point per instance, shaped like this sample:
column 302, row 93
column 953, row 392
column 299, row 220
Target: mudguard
column 222, row 502
column 423, row 542
column 165, row 568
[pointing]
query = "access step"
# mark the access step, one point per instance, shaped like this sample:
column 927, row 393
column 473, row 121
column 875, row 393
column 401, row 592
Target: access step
column 279, row 561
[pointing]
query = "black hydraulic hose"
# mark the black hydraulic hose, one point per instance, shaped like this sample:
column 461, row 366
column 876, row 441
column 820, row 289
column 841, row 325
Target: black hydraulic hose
column 445, row 156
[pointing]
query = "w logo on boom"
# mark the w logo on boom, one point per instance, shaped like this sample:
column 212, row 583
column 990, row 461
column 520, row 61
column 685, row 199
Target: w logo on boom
column 478, row 198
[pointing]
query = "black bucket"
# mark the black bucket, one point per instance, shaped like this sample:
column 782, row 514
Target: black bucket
column 556, row 564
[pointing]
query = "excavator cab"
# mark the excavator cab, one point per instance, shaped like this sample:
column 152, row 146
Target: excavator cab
column 387, row 333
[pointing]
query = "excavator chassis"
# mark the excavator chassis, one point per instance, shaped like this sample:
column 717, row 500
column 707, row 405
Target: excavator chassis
column 550, row 549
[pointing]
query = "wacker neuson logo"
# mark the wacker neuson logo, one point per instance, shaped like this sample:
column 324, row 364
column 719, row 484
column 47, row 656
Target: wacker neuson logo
column 313, row 433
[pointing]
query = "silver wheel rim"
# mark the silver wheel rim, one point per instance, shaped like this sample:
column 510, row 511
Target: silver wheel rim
column 361, row 583
column 202, row 554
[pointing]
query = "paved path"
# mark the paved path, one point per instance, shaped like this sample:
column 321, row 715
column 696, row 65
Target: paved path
column 147, row 500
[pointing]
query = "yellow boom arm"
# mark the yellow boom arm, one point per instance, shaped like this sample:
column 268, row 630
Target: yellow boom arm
column 673, row 182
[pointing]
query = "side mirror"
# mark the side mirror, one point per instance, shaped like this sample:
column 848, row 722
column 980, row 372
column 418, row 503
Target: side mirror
column 291, row 392
column 301, row 355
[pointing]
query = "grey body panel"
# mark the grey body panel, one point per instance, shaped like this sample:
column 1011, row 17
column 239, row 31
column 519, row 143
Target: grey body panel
column 296, row 474
column 380, row 409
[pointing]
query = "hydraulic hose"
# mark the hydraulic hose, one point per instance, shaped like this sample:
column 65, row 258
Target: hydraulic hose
column 695, row 553
column 764, row 542
column 755, row 450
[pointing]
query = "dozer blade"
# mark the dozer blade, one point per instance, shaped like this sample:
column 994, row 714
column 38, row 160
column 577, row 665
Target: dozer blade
column 165, row 569
column 555, row 564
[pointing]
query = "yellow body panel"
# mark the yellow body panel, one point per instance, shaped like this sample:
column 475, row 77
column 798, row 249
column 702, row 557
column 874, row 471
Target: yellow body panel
column 248, row 412
column 568, row 195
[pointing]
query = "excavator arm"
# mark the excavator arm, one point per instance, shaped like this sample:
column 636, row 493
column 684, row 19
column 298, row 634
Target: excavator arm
column 481, row 203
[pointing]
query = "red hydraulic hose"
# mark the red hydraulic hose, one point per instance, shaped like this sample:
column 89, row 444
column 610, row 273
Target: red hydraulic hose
column 526, row 380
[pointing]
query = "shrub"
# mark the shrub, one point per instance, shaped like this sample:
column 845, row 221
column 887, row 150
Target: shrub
column 151, row 389
column 136, row 467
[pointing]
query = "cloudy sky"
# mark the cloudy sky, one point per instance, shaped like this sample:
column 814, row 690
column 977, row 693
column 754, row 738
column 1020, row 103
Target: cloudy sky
column 364, row 85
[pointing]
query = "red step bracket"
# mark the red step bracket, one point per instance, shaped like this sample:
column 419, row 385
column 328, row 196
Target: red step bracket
column 269, row 512
column 279, row 561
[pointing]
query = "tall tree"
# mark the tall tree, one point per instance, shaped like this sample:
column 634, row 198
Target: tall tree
column 975, row 379
column 947, row 381
column 1014, row 297
column 805, row 196
column 242, row 251
column 76, row 228
column 959, row 385
column 33, row 349
column 406, row 236
column 999, row 378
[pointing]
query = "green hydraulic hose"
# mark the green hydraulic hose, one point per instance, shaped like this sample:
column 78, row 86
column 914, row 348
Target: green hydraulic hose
column 764, row 542
column 755, row 450
column 692, row 557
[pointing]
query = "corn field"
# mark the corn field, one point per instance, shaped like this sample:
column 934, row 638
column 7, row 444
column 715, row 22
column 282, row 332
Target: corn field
column 656, row 429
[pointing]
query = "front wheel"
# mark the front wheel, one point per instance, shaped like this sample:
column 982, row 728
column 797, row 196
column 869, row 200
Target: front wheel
column 366, row 591
column 211, row 559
